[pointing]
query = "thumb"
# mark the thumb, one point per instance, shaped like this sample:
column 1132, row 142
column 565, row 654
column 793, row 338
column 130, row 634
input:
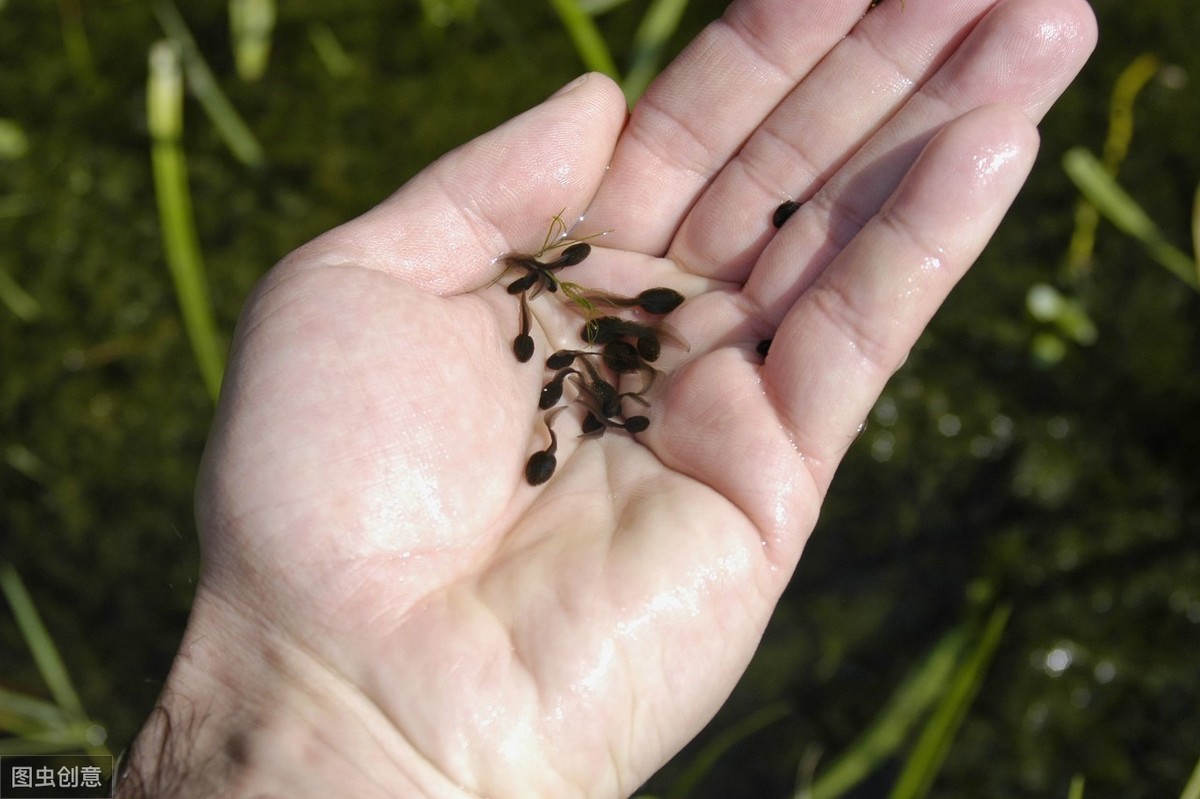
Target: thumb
column 441, row 231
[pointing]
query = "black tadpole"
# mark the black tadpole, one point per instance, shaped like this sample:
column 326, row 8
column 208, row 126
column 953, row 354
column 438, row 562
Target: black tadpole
column 636, row 424
column 523, row 347
column 659, row 300
column 522, row 284
column 540, row 468
column 523, row 343
column 553, row 390
column 649, row 347
column 592, row 426
column 541, row 464
column 599, row 395
column 571, row 255
column 622, row 357
column 561, row 358
column 784, row 212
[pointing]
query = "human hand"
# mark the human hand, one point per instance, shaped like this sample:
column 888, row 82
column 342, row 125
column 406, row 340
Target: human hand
column 380, row 584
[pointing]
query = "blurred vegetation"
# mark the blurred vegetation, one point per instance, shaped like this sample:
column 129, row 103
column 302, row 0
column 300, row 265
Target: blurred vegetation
column 1017, row 526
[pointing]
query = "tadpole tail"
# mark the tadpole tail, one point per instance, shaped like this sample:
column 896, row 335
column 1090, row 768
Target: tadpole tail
column 523, row 343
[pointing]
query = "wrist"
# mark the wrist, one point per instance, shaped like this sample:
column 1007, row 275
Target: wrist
column 246, row 714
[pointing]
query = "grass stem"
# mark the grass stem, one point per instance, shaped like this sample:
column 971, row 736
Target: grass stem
column 586, row 37
column 958, row 694
column 225, row 118
column 658, row 25
column 890, row 730
column 43, row 727
column 165, row 114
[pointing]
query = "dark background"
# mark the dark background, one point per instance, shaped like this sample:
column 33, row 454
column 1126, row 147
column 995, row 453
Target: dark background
column 1064, row 486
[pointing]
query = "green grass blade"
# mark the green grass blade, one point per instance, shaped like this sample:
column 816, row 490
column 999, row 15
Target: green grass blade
column 657, row 26
column 23, row 715
column 931, row 748
column 1076, row 789
column 45, row 654
column 164, row 108
column 710, row 754
column 1125, row 214
column 229, row 124
column 43, row 727
column 1129, row 84
column 333, row 56
column 1125, row 92
column 1192, row 789
column 586, row 37
column 889, row 731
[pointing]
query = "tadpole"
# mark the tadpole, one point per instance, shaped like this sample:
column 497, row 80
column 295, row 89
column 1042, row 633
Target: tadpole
column 607, row 400
column 553, row 390
column 784, row 212
column 658, row 301
column 523, row 284
column 592, row 426
column 571, row 255
column 540, row 467
column 602, row 399
column 636, row 424
column 541, row 464
column 561, row 358
column 649, row 347
column 622, row 357
column 523, row 343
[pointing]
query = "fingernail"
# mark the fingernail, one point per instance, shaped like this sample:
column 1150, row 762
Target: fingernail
column 572, row 86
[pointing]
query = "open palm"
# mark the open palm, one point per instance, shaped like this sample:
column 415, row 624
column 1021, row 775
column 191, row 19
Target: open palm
column 363, row 506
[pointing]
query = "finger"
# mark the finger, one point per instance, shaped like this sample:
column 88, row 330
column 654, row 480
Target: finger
column 914, row 67
column 769, row 437
column 497, row 193
column 851, row 330
column 696, row 115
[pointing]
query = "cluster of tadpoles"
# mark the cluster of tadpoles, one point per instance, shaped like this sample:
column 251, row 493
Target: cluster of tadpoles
column 613, row 346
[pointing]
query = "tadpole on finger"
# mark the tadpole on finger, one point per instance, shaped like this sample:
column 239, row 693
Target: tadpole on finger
column 784, row 212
